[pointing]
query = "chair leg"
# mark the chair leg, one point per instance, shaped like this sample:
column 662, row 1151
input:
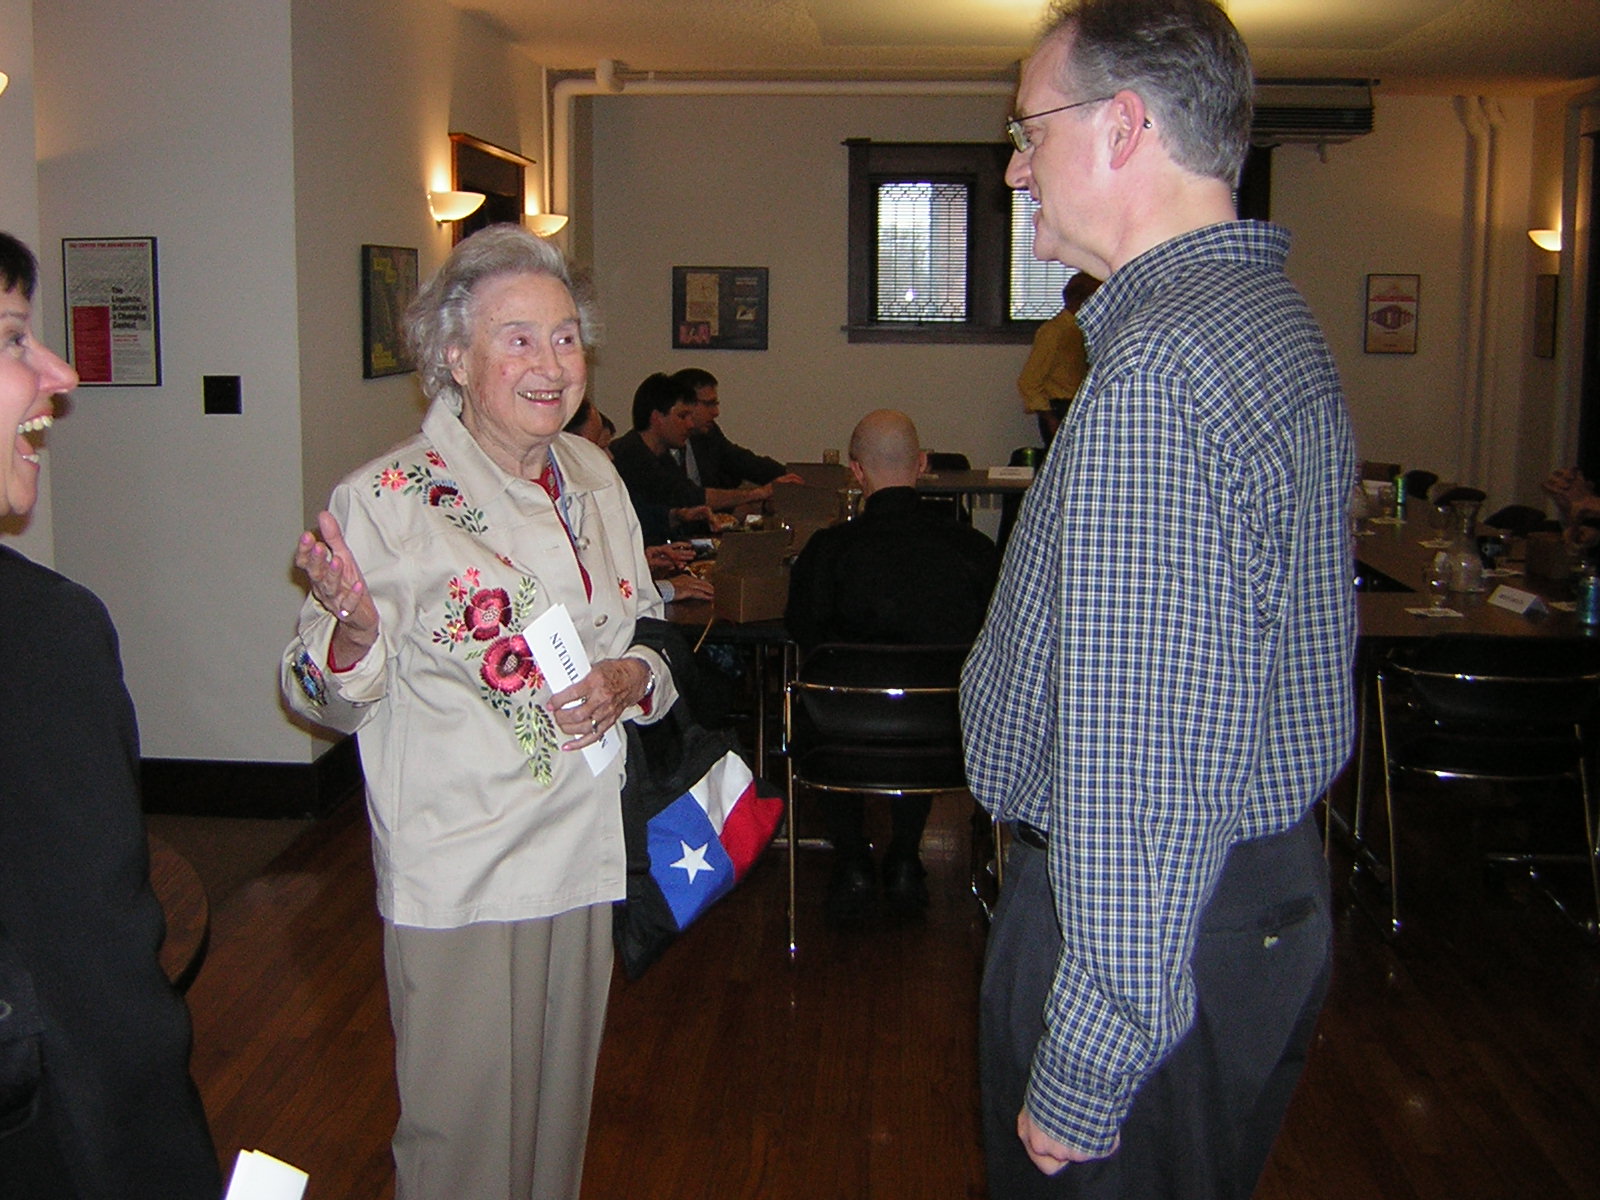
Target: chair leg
column 793, row 837
column 1590, row 820
column 1388, row 805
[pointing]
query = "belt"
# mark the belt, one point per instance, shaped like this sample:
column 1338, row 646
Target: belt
column 1030, row 835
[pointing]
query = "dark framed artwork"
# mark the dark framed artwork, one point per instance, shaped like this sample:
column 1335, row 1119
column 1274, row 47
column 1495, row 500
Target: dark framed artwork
column 113, row 310
column 388, row 282
column 1391, row 314
column 719, row 308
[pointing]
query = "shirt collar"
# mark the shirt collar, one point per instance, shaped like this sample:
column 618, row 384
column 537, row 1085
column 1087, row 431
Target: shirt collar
column 1253, row 244
column 481, row 477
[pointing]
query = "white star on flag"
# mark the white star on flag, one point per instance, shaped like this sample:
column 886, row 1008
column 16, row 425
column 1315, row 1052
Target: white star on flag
column 693, row 860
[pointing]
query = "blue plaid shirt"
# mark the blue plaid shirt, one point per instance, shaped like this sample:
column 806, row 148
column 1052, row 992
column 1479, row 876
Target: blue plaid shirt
column 1165, row 668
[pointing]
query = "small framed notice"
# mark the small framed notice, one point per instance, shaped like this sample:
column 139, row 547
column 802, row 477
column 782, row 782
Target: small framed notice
column 113, row 311
column 1392, row 314
column 719, row 308
column 388, row 282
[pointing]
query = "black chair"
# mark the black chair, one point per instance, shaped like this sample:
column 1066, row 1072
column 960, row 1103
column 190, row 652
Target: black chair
column 1418, row 482
column 873, row 720
column 952, row 506
column 1499, row 711
column 1517, row 519
column 1458, row 492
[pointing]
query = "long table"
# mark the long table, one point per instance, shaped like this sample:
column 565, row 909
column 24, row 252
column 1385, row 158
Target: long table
column 1393, row 554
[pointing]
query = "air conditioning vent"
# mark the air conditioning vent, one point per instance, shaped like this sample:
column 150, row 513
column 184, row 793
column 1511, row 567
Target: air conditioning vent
column 1318, row 111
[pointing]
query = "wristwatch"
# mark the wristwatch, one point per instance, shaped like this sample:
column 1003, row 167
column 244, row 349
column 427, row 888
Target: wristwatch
column 650, row 683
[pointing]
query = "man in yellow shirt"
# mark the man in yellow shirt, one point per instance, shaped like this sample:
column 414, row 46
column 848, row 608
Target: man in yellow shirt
column 1058, row 362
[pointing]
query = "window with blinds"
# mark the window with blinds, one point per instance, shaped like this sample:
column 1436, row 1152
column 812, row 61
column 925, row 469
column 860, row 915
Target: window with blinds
column 1035, row 286
column 922, row 252
column 930, row 244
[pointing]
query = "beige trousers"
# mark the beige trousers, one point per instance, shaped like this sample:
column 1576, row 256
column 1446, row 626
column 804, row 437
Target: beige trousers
column 497, row 1030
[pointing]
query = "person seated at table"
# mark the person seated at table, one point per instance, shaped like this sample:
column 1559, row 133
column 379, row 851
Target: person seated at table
column 592, row 424
column 95, row 1094
column 1577, row 505
column 667, row 558
column 896, row 574
column 663, row 414
column 711, row 458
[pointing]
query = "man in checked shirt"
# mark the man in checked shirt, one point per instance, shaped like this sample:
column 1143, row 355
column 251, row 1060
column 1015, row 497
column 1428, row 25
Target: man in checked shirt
column 1162, row 688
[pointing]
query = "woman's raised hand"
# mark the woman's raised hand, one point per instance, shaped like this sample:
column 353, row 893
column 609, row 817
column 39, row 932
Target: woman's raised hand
column 337, row 585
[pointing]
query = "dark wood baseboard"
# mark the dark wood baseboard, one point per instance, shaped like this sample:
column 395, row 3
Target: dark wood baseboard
column 201, row 787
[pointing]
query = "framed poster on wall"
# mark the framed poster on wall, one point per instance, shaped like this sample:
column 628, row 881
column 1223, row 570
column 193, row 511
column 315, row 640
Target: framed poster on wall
column 113, row 311
column 719, row 308
column 388, row 283
column 1392, row 314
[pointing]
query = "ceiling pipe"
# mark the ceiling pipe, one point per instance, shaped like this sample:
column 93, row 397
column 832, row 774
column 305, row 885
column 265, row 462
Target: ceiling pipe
column 612, row 78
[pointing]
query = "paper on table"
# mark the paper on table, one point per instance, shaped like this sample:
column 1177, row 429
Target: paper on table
column 1435, row 612
column 259, row 1176
column 553, row 638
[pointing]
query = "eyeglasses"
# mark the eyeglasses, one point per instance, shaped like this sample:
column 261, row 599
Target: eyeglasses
column 1019, row 136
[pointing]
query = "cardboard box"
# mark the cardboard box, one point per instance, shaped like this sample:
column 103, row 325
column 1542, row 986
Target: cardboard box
column 742, row 597
column 750, row 579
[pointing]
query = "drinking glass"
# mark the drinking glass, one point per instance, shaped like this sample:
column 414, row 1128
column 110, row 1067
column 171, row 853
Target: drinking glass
column 1438, row 579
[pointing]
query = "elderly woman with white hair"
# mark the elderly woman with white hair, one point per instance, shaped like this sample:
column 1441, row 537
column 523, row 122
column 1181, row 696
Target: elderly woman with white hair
column 498, row 847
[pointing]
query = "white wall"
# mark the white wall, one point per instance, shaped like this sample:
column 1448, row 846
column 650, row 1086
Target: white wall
column 262, row 142
column 1393, row 203
column 379, row 85
column 173, row 120
column 761, row 181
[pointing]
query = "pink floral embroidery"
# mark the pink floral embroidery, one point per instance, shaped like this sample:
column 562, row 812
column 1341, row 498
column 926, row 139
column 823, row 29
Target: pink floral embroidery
column 458, row 588
column 625, row 588
column 392, row 478
column 507, row 665
column 437, row 459
column 444, row 495
column 486, row 612
column 456, row 630
column 471, row 576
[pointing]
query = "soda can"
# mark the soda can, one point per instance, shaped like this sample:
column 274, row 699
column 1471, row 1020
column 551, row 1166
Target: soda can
column 1588, row 606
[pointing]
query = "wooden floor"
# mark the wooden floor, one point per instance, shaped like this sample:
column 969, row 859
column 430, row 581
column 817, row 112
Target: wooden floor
column 1461, row 1062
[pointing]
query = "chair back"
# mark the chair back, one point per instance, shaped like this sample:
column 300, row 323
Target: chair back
column 873, row 693
column 1517, row 519
column 946, row 460
column 1502, row 684
column 1458, row 492
column 1418, row 482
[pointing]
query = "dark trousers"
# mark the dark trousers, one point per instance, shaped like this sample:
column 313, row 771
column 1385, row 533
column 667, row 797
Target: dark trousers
column 1203, row 1123
column 846, row 818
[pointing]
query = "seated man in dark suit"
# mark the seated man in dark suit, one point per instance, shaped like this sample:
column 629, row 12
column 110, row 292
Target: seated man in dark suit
column 663, row 412
column 897, row 574
column 710, row 458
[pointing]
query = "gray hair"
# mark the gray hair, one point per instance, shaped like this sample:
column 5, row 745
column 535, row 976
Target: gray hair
column 1186, row 61
column 440, row 318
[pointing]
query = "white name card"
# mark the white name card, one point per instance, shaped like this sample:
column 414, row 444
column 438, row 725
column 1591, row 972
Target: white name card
column 258, row 1176
column 553, row 638
column 1516, row 600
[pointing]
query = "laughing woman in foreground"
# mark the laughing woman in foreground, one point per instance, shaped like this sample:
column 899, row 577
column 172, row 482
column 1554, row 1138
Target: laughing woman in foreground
column 498, row 849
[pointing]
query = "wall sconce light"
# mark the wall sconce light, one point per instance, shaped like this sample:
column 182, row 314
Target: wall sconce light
column 4, row 79
column 545, row 224
column 1546, row 239
column 452, row 206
